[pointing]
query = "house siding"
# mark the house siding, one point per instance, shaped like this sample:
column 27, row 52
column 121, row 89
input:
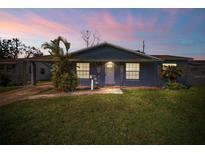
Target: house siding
column 93, row 71
column 148, row 75
column 47, row 71
column 196, row 74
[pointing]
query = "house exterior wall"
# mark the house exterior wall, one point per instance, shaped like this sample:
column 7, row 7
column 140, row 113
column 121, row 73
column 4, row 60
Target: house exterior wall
column 43, row 71
column 17, row 73
column 20, row 71
column 196, row 74
column 148, row 75
column 97, row 57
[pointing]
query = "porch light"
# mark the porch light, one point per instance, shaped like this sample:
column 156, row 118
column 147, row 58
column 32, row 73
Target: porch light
column 109, row 64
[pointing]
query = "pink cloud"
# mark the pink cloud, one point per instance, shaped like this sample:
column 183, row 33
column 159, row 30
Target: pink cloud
column 113, row 30
column 31, row 25
column 109, row 27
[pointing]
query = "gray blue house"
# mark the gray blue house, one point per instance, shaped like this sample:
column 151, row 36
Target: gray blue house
column 113, row 65
column 110, row 64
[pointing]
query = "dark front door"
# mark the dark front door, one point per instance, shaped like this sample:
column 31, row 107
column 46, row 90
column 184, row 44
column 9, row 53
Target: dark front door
column 109, row 73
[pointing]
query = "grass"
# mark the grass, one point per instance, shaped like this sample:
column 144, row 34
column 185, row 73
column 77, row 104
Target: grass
column 136, row 117
column 9, row 88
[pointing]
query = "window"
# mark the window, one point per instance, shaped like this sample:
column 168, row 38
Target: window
column 132, row 70
column 83, row 70
column 165, row 65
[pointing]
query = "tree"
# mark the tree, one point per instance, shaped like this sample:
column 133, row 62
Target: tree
column 63, row 74
column 10, row 48
column 31, row 51
column 172, row 73
column 90, row 38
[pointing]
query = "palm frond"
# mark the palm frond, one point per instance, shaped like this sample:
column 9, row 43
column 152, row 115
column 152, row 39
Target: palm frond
column 54, row 46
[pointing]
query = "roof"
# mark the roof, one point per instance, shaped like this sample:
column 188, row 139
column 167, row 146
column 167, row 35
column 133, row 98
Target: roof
column 7, row 61
column 44, row 58
column 48, row 58
column 197, row 62
column 170, row 57
column 117, row 47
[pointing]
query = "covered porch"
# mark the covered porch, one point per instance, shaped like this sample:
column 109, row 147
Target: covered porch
column 33, row 62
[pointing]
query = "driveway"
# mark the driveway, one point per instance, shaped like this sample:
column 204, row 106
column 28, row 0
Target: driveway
column 45, row 91
column 22, row 93
column 106, row 90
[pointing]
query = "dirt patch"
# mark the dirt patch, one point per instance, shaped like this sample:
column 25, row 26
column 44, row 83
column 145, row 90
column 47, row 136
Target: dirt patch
column 79, row 92
column 23, row 93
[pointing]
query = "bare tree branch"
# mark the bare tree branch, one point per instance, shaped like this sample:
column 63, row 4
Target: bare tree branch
column 90, row 38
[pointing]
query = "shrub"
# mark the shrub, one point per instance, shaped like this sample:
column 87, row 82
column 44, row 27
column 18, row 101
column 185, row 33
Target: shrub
column 64, row 79
column 69, row 81
column 174, row 85
column 172, row 73
column 4, row 79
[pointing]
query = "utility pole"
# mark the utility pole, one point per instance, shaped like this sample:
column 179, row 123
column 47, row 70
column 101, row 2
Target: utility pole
column 143, row 47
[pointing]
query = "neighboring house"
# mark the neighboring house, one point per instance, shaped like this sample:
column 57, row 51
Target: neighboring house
column 110, row 64
column 14, row 69
column 19, row 70
column 196, row 72
column 43, row 71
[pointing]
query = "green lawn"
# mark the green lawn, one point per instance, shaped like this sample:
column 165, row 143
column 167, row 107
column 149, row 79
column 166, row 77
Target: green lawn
column 9, row 88
column 136, row 117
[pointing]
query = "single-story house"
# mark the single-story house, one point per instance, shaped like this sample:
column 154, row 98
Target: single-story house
column 19, row 70
column 109, row 64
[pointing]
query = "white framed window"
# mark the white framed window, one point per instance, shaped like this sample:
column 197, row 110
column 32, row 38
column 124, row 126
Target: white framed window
column 83, row 70
column 132, row 70
column 165, row 65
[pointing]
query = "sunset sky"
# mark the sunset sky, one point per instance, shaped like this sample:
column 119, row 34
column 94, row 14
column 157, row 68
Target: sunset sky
column 165, row 31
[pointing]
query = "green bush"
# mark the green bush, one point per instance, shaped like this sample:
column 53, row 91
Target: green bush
column 174, row 85
column 4, row 79
column 69, row 81
column 172, row 73
column 66, row 81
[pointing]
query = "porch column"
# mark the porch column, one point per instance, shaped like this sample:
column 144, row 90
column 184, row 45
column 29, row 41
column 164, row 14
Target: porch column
column 33, row 73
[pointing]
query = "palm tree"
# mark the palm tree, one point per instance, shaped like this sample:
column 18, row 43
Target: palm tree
column 54, row 47
column 63, row 74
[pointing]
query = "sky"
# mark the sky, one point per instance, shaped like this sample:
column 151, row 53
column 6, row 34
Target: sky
column 165, row 31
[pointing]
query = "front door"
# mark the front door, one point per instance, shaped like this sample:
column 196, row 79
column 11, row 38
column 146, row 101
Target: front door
column 109, row 73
